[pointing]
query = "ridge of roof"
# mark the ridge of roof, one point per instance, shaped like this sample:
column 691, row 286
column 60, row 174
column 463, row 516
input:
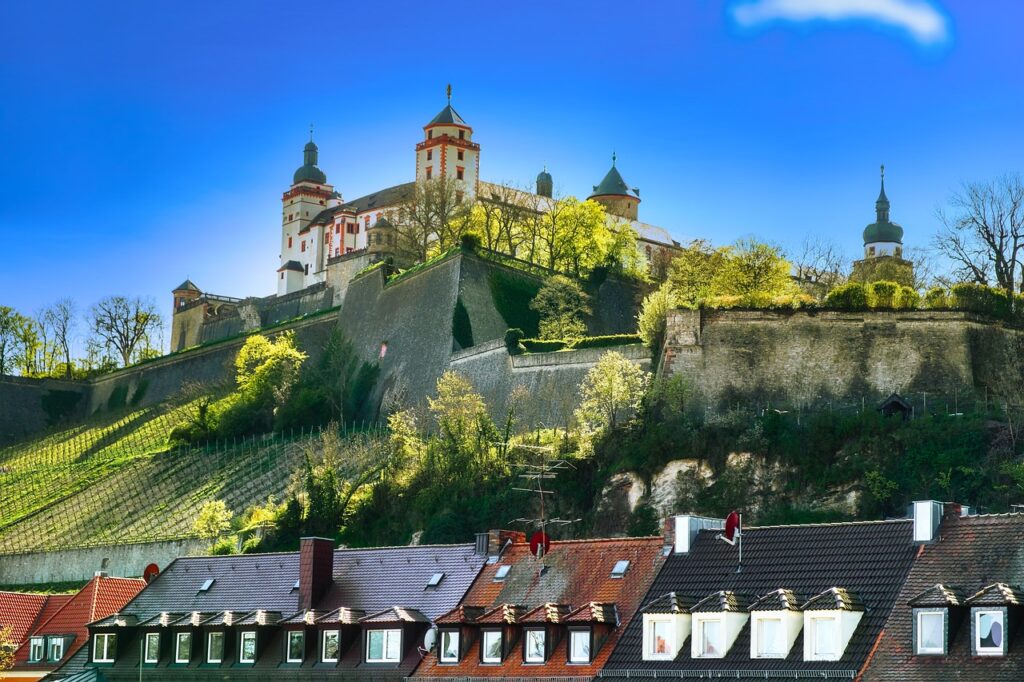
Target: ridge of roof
column 830, row 524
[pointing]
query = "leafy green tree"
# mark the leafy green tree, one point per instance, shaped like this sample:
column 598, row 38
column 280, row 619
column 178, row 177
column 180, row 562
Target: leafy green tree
column 10, row 324
column 611, row 391
column 653, row 313
column 562, row 305
column 7, row 647
column 213, row 521
column 755, row 268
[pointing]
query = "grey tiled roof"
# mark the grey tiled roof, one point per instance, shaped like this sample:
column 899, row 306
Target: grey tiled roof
column 869, row 559
column 371, row 580
column 972, row 553
column 382, row 198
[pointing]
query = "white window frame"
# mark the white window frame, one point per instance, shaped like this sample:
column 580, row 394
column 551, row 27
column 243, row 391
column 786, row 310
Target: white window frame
column 148, row 655
column 649, row 640
column 573, row 635
column 178, row 637
column 109, row 640
column 288, row 646
column 527, row 658
column 387, row 635
column 919, row 648
column 51, row 644
column 209, row 646
column 323, row 646
column 976, row 632
column 33, row 656
column 247, row 634
column 484, row 658
column 813, row 634
column 441, row 648
column 757, row 635
column 698, row 627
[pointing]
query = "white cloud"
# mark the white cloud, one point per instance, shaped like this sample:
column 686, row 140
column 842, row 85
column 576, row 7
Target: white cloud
column 918, row 17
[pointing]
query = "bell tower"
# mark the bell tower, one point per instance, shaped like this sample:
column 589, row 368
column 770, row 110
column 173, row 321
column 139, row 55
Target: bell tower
column 309, row 195
column 448, row 150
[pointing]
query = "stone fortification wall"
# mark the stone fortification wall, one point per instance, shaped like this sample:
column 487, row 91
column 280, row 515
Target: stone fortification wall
column 27, row 405
column 123, row 560
column 254, row 313
column 545, row 386
column 21, row 400
column 341, row 270
column 792, row 358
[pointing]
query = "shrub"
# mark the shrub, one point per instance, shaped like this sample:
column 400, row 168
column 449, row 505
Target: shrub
column 908, row 298
column 883, row 295
column 224, row 546
column 512, row 338
column 562, row 305
column 653, row 313
column 470, row 241
column 936, row 298
column 852, row 296
column 977, row 298
column 543, row 345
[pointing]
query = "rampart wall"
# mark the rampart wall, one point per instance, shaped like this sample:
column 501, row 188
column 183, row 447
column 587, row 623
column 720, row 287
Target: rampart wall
column 122, row 560
column 806, row 358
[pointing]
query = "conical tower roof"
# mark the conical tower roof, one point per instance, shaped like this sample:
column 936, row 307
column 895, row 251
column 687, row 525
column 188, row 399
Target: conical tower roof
column 612, row 184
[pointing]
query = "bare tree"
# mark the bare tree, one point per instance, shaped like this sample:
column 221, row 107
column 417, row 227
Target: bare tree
column 60, row 320
column 819, row 265
column 983, row 232
column 437, row 212
column 511, row 211
column 124, row 323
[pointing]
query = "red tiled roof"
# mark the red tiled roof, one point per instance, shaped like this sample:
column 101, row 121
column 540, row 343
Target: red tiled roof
column 574, row 574
column 20, row 611
column 101, row 597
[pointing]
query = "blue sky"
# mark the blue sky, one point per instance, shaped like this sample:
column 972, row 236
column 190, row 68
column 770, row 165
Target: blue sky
column 141, row 143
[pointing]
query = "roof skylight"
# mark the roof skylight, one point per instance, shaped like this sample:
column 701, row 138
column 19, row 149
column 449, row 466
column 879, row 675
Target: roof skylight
column 502, row 572
column 435, row 580
column 207, row 585
column 620, row 568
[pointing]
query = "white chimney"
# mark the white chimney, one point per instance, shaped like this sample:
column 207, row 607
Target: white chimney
column 927, row 516
column 686, row 528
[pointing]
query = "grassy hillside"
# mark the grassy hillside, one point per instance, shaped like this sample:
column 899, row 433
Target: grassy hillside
column 113, row 479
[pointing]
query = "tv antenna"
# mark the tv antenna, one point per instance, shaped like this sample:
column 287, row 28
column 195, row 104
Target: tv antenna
column 535, row 474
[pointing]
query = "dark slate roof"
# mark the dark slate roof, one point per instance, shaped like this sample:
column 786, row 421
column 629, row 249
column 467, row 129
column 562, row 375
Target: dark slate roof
column 382, row 198
column 370, row 580
column 938, row 595
column 291, row 265
column 870, row 559
column 187, row 285
column 777, row 600
column 972, row 553
column 996, row 594
column 447, row 116
column 612, row 184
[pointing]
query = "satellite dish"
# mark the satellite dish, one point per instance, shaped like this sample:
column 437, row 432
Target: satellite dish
column 732, row 525
column 540, row 543
column 430, row 639
column 150, row 573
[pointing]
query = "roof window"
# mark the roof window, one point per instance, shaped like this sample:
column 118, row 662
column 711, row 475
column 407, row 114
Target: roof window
column 502, row 573
column 435, row 580
column 207, row 584
column 620, row 568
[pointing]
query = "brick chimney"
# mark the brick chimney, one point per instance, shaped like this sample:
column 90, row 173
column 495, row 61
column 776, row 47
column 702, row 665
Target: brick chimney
column 316, row 570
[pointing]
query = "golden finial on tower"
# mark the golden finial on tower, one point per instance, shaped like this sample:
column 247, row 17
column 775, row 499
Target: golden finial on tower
column 449, row 93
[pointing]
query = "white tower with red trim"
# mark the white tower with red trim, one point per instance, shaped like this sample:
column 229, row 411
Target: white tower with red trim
column 448, row 150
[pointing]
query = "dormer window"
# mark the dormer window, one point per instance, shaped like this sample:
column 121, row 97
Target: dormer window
column 775, row 622
column 183, row 647
column 450, row 652
column 152, row 648
column 824, row 638
column 56, row 649
column 383, row 646
column 491, row 646
column 247, row 647
column 770, row 639
column 296, row 646
column 929, row 631
column 534, row 646
column 36, row 649
column 215, row 647
column 988, row 626
column 666, row 627
column 330, row 646
column 103, row 647
column 579, row 646
column 710, row 641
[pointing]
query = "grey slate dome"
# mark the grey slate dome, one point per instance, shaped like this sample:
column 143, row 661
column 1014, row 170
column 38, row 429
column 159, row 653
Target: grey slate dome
column 309, row 172
column 883, row 229
column 545, row 185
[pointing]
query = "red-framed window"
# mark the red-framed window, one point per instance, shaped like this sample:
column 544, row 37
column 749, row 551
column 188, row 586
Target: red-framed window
column 460, row 172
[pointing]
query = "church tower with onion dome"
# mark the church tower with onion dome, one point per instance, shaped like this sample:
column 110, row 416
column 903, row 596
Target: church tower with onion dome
column 883, row 248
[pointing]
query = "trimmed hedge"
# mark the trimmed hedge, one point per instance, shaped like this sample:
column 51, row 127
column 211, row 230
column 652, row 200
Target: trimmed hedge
column 977, row 298
column 852, row 296
column 547, row 346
